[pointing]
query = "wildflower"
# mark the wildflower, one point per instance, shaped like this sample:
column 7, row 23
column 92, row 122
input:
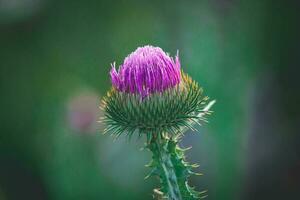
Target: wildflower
column 152, row 96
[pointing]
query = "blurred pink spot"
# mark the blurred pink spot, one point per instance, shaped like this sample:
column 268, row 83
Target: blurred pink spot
column 83, row 112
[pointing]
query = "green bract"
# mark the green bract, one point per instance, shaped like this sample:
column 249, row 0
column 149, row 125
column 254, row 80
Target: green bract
column 168, row 112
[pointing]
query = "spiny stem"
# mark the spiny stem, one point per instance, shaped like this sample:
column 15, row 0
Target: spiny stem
column 169, row 165
column 168, row 168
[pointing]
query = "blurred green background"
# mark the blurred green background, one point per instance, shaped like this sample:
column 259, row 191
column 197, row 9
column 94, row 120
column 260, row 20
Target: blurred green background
column 54, row 60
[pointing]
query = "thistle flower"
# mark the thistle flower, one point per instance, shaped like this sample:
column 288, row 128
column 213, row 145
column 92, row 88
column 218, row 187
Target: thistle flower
column 152, row 96
column 145, row 71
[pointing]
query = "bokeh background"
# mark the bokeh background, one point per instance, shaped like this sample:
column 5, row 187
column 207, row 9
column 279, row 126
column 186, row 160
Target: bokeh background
column 55, row 57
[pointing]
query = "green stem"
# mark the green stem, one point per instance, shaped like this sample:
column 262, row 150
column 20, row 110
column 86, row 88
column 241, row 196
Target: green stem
column 168, row 163
column 164, row 156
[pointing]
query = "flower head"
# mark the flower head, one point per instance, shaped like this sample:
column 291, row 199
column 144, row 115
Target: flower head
column 173, row 103
column 145, row 71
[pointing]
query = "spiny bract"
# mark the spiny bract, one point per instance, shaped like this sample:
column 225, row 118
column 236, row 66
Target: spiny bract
column 167, row 112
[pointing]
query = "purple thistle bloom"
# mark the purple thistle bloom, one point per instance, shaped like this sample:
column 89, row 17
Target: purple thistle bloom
column 145, row 71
